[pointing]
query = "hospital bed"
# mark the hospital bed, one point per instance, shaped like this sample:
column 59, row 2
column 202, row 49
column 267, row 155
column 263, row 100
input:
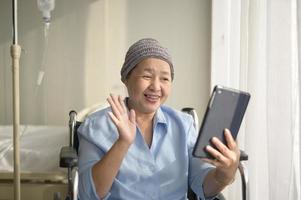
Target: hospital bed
column 41, row 176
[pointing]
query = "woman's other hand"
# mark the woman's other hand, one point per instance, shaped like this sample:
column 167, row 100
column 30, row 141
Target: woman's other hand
column 226, row 158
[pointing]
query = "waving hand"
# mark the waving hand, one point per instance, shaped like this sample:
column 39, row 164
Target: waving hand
column 125, row 121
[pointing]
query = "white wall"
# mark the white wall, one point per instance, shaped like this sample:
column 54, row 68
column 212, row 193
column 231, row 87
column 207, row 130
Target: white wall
column 86, row 47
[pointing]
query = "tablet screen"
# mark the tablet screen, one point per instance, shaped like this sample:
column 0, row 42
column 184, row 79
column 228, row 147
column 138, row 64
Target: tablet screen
column 225, row 109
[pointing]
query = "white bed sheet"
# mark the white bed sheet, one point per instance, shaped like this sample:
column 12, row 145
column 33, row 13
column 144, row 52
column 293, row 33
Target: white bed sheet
column 39, row 148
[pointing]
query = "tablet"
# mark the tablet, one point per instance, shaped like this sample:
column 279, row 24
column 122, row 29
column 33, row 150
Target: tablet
column 226, row 109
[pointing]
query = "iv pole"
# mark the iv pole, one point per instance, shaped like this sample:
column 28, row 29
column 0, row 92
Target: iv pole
column 15, row 51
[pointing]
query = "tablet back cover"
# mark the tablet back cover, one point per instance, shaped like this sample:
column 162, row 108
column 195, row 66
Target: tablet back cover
column 225, row 109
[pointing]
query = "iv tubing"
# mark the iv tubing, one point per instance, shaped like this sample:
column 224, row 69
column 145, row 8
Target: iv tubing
column 15, row 22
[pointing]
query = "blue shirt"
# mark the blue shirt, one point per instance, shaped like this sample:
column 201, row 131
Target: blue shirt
column 162, row 171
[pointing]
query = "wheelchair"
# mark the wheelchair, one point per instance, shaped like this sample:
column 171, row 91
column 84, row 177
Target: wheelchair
column 69, row 156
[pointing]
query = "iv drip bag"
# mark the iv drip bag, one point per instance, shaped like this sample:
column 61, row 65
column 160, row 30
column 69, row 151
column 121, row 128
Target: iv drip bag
column 46, row 6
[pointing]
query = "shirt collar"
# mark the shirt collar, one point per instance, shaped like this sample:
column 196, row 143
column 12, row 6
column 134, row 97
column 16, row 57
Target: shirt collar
column 159, row 118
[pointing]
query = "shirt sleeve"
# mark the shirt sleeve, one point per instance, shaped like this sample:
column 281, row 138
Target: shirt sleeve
column 89, row 154
column 198, row 169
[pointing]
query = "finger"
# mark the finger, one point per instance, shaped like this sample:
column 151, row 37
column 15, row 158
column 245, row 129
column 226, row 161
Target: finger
column 113, row 118
column 216, row 154
column 222, row 148
column 121, row 101
column 230, row 140
column 113, row 107
column 211, row 161
column 117, row 103
column 133, row 116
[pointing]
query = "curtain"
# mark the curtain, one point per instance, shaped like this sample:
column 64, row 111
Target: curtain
column 257, row 49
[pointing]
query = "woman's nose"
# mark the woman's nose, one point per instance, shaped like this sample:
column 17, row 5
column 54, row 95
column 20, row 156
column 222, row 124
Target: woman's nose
column 155, row 84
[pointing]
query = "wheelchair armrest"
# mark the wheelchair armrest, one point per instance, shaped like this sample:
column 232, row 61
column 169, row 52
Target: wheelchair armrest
column 68, row 157
column 243, row 156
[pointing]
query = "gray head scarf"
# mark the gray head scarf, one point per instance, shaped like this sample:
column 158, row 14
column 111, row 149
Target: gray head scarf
column 142, row 49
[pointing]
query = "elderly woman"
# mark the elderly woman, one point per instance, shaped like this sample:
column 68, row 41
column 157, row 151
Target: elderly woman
column 139, row 148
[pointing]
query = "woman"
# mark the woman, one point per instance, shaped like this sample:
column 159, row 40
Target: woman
column 140, row 149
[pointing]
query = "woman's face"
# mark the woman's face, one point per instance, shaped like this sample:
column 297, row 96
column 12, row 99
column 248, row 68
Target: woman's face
column 149, row 85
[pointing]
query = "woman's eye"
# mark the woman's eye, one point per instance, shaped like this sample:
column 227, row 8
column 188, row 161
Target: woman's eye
column 146, row 76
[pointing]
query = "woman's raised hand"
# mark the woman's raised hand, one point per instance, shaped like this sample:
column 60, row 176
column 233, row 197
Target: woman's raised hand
column 125, row 121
